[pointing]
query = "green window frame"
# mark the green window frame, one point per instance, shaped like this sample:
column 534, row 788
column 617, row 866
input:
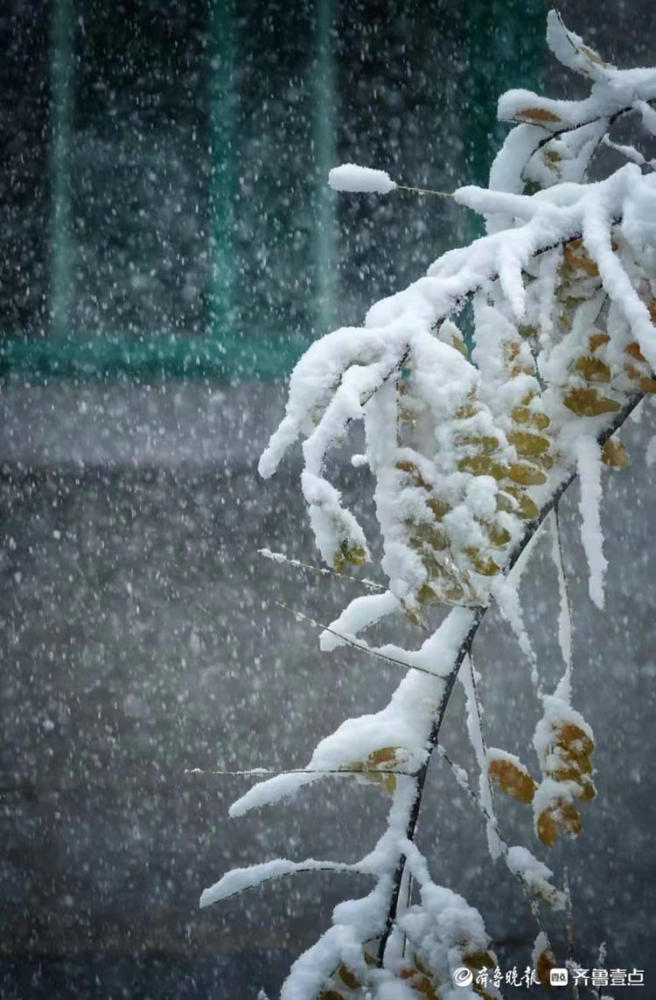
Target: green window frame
column 503, row 41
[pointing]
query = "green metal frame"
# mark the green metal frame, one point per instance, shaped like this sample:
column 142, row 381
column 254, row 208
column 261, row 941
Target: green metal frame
column 506, row 50
column 223, row 106
column 325, row 115
column 118, row 356
column 61, row 83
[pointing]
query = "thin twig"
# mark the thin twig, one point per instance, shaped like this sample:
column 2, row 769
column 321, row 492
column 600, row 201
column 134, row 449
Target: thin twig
column 280, row 557
column 441, row 194
column 568, row 916
column 565, row 614
column 450, row 680
column 408, row 899
column 263, row 772
column 572, row 128
column 397, row 368
column 372, row 651
column 324, row 866
column 477, row 738
column 463, row 782
column 565, row 28
column 628, row 152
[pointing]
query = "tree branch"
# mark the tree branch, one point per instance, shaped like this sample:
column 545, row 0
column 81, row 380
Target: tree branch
column 465, row 647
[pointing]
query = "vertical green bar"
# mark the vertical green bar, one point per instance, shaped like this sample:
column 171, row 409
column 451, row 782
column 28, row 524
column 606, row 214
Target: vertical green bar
column 61, row 83
column 222, row 173
column 507, row 49
column 325, row 151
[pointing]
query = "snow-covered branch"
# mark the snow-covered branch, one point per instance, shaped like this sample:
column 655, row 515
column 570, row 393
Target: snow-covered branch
column 470, row 451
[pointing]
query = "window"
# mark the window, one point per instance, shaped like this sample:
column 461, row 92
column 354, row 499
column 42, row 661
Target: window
column 165, row 205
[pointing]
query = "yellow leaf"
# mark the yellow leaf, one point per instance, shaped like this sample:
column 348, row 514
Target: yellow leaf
column 536, row 115
column 482, row 465
column 506, row 502
column 593, row 369
column 498, row 535
column 485, row 444
column 528, row 509
column 545, row 962
column 528, row 445
column 588, row 790
column 388, row 781
column 526, row 474
column 559, row 813
column 512, row 778
column 585, row 402
column 641, row 377
column 426, row 595
column 479, row 960
column 453, row 591
column 411, row 469
column 349, row 552
column 614, row 454
column 597, row 340
column 546, row 828
column 432, row 534
column 384, row 755
column 523, row 415
column 571, row 736
column 633, row 349
column 347, row 977
column 576, row 257
column 484, row 565
column 592, row 55
column 438, row 507
column 570, row 819
column 571, row 770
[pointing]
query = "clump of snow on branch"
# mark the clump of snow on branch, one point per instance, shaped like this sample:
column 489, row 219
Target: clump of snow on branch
column 351, row 177
column 475, row 731
column 536, row 875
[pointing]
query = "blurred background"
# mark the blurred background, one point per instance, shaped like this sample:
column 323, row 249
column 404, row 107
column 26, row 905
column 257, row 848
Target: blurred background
column 169, row 248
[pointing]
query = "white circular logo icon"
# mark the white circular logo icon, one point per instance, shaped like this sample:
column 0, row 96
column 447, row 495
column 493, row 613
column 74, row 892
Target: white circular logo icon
column 463, row 976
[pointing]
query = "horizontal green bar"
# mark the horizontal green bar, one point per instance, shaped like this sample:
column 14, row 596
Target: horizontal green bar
column 35, row 359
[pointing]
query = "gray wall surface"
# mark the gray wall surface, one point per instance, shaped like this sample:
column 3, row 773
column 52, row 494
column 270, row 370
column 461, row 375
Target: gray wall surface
column 142, row 638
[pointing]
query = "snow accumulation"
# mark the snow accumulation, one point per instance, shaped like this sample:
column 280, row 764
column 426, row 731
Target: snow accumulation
column 365, row 180
column 467, row 678
column 536, row 875
column 557, row 713
column 468, row 451
column 240, row 879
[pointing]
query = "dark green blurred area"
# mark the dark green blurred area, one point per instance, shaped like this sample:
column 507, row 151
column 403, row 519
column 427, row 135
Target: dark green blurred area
column 165, row 210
